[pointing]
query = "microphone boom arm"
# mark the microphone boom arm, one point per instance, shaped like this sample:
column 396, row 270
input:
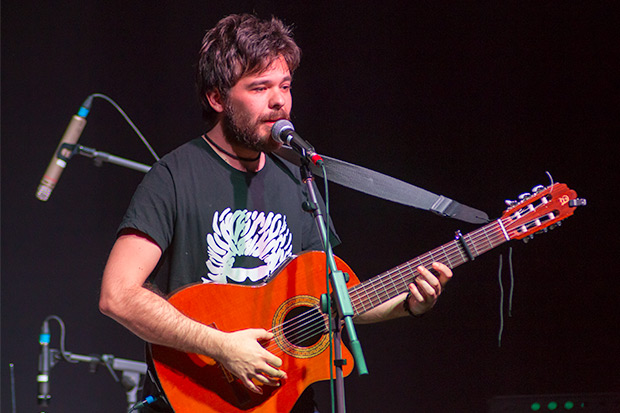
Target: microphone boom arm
column 131, row 371
column 100, row 157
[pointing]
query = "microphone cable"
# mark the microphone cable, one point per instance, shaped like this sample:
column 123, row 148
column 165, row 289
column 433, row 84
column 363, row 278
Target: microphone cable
column 90, row 98
column 63, row 352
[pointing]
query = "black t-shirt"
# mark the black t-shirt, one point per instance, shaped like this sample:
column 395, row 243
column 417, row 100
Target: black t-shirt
column 215, row 223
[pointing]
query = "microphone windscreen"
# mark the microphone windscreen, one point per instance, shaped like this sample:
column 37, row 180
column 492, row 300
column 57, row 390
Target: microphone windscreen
column 279, row 127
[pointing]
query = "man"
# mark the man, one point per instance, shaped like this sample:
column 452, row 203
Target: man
column 222, row 208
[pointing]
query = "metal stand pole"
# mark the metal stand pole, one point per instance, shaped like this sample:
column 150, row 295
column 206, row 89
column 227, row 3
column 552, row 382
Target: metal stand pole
column 340, row 296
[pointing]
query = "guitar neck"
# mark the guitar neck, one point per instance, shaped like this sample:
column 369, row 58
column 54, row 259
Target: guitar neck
column 381, row 288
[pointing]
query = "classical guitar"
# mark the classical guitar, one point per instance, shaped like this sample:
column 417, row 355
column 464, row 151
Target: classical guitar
column 288, row 305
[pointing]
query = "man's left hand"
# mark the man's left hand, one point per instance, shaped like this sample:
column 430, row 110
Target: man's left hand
column 426, row 288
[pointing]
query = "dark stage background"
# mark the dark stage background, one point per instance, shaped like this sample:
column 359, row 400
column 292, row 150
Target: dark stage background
column 473, row 100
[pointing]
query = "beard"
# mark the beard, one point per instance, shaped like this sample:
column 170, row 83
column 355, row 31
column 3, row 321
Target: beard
column 239, row 128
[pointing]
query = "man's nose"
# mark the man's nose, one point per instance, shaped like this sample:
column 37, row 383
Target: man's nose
column 277, row 98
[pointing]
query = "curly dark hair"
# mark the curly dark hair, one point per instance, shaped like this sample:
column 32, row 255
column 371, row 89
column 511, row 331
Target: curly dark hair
column 239, row 45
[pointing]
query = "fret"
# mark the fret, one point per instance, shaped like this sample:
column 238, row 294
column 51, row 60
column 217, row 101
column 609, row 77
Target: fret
column 486, row 234
column 415, row 272
column 460, row 250
column 391, row 279
column 472, row 243
column 354, row 296
column 384, row 289
column 493, row 232
column 374, row 290
column 432, row 257
column 443, row 249
column 457, row 247
column 403, row 272
column 452, row 259
column 367, row 297
column 405, row 276
column 498, row 236
column 356, row 302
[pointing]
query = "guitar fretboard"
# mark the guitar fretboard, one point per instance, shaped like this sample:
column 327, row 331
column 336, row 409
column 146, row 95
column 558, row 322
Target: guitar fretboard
column 379, row 289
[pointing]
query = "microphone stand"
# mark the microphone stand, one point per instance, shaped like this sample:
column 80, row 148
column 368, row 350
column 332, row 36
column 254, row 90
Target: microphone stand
column 49, row 357
column 130, row 369
column 340, row 296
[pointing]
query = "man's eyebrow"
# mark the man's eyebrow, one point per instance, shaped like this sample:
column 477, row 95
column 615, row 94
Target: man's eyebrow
column 260, row 82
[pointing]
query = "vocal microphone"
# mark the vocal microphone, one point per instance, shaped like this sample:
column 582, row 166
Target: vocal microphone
column 283, row 131
column 63, row 152
column 44, row 396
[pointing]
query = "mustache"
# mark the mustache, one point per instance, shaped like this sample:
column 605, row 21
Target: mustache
column 275, row 116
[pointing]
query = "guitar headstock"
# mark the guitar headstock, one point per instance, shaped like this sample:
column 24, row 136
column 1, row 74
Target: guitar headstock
column 540, row 211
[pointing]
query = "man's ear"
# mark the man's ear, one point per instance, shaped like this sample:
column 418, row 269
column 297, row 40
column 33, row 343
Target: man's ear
column 215, row 100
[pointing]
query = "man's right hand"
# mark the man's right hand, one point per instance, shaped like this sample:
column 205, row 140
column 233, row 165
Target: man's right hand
column 152, row 318
column 242, row 354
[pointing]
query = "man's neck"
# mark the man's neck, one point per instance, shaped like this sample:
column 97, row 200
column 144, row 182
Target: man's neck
column 237, row 156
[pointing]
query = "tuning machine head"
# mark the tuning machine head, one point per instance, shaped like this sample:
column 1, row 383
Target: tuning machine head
column 577, row 202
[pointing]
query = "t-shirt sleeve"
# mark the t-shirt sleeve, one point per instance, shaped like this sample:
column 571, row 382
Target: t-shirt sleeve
column 153, row 207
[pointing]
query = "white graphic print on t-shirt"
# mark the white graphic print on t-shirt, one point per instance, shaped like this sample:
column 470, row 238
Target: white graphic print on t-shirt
column 263, row 240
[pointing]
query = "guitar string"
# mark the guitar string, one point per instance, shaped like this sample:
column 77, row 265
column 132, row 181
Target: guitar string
column 306, row 327
column 309, row 327
column 451, row 252
column 316, row 324
column 494, row 239
column 406, row 271
column 362, row 291
column 308, row 321
column 312, row 316
column 491, row 232
column 493, row 236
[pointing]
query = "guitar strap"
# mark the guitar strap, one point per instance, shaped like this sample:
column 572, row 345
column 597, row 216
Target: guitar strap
column 383, row 186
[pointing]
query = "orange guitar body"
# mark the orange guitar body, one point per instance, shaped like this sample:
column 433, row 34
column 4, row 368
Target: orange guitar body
column 196, row 383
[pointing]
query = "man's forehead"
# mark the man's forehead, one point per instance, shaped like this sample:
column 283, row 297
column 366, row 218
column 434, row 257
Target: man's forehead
column 277, row 70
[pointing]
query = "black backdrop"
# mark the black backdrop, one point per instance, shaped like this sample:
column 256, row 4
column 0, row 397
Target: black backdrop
column 471, row 100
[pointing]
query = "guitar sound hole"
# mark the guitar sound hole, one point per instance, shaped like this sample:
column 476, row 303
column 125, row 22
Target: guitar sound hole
column 304, row 326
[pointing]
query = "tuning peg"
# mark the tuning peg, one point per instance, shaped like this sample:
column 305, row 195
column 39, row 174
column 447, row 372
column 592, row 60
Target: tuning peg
column 510, row 202
column 577, row 202
column 524, row 196
column 538, row 188
column 528, row 238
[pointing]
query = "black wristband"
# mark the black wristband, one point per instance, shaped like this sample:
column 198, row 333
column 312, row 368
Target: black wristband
column 407, row 309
